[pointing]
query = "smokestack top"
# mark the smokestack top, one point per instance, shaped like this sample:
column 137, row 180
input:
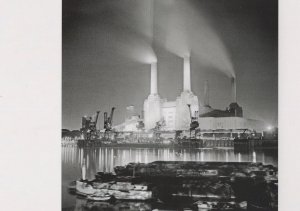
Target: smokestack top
column 154, row 78
column 186, row 57
column 233, row 90
column 186, row 73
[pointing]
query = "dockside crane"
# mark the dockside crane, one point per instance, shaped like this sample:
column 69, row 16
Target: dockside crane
column 111, row 116
column 108, row 120
column 105, row 120
column 93, row 125
column 89, row 127
column 194, row 122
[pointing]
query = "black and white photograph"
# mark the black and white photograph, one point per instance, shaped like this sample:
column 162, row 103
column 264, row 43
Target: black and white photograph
column 159, row 105
column 169, row 105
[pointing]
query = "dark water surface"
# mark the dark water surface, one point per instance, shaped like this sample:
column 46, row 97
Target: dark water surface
column 106, row 158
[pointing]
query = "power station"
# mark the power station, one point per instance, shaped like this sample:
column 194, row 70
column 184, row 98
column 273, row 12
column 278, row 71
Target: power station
column 177, row 115
column 173, row 115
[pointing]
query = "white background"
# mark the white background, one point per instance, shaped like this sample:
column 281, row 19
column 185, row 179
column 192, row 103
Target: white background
column 30, row 105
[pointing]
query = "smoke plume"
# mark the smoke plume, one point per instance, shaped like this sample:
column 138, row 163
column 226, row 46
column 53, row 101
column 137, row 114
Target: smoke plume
column 137, row 31
column 116, row 31
column 184, row 31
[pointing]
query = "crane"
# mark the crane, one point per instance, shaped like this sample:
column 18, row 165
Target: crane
column 105, row 120
column 93, row 124
column 194, row 123
column 108, row 120
column 89, row 126
column 111, row 115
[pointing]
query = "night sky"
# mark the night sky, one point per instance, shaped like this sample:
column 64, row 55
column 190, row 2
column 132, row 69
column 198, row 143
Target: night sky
column 107, row 45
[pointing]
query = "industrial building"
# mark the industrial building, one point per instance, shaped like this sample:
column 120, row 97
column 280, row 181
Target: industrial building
column 159, row 113
column 173, row 115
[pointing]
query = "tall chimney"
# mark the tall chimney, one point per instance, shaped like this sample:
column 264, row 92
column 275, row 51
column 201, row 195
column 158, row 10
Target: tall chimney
column 154, row 78
column 206, row 93
column 233, row 90
column 186, row 74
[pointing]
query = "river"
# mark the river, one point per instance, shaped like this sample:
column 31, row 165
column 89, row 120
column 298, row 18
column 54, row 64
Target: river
column 106, row 158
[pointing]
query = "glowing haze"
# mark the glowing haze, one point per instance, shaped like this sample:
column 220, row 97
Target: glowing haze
column 135, row 37
column 187, row 31
column 122, row 30
column 139, row 47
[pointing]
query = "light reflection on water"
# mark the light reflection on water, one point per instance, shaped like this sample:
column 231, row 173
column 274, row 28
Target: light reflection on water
column 106, row 158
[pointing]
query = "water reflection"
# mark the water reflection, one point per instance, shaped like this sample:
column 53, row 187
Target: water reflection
column 106, row 158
